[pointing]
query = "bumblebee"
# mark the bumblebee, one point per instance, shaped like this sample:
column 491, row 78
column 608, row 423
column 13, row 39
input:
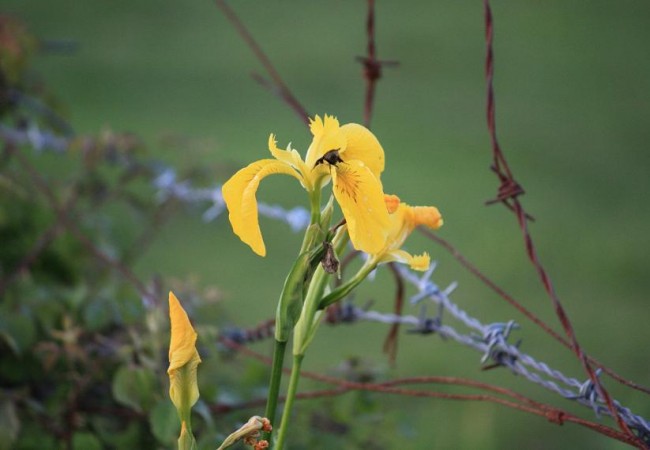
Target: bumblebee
column 331, row 157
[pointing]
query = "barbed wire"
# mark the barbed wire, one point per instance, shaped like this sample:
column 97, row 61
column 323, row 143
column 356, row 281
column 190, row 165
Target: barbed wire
column 491, row 340
column 39, row 139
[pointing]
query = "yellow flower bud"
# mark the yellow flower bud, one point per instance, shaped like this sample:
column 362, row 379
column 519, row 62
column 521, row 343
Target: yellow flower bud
column 183, row 360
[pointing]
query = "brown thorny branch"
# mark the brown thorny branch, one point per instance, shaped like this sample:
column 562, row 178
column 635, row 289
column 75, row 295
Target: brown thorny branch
column 517, row 401
column 508, row 194
column 276, row 80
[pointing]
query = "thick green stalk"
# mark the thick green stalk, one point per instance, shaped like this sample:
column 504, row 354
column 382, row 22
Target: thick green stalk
column 274, row 384
column 291, row 394
column 290, row 304
column 288, row 312
column 314, row 200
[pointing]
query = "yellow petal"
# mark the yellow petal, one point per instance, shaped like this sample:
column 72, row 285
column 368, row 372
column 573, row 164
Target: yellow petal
column 403, row 220
column 426, row 215
column 353, row 141
column 327, row 136
column 319, row 126
column 362, row 145
column 417, row 262
column 420, row 262
column 360, row 195
column 239, row 194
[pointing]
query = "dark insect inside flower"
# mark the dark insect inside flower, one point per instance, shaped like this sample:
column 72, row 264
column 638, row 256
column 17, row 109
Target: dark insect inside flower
column 331, row 157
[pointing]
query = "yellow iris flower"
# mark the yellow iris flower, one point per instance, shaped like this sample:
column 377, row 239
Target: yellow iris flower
column 350, row 154
column 183, row 359
column 403, row 220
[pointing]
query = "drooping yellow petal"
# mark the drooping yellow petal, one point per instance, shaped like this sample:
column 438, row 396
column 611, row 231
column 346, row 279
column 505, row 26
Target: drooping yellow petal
column 183, row 359
column 239, row 194
column 360, row 195
column 362, row 145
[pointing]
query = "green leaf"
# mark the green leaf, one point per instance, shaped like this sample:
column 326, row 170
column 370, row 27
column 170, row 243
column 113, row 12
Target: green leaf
column 32, row 436
column 291, row 298
column 163, row 419
column 98, row 314
column 9, row 424
column 132, row 437
column 85, row 441
column 134, row 387
column 9, row 341
column 113, row 434
column 18, row 331
column 129, row 309
column 48, row 307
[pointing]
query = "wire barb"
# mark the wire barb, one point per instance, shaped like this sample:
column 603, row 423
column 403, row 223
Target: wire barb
column 495, row 338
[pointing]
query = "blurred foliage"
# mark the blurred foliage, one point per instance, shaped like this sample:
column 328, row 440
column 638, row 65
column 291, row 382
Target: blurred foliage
column 82, row 359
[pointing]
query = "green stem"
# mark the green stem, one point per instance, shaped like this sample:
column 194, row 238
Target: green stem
column 342, row 291
column 291, row 394
column 274, row 384
column 314, row 200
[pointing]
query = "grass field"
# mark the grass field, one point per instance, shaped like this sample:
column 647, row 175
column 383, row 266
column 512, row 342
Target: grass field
column 572, row 85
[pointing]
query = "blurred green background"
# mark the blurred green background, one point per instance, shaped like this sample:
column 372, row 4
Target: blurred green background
column 572, row 84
